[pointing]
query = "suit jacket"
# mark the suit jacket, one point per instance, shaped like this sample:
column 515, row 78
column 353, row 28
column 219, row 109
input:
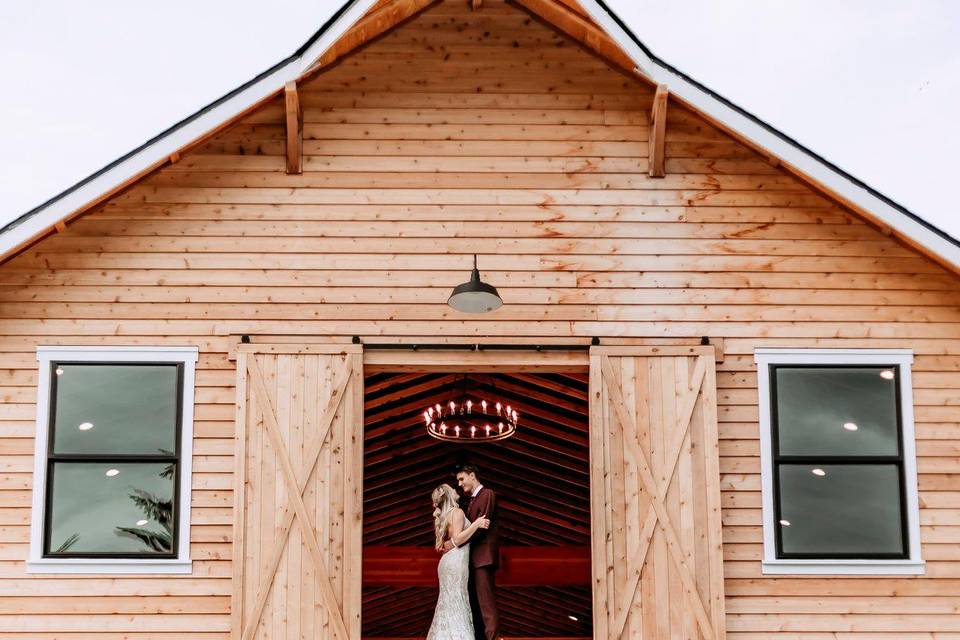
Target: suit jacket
column 485, row 543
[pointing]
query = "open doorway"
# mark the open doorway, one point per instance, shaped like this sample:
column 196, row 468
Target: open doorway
column 541, row 477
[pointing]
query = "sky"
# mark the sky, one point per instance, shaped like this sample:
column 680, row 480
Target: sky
column 872, row 85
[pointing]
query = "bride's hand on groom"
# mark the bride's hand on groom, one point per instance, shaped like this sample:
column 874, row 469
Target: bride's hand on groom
column 483, row 522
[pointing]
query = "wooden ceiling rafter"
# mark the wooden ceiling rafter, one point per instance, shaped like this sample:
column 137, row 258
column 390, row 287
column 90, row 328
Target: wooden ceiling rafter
column 526, row 444
column 538, row 495
column 413, row 531
column 377, row 382
column 427, row 386
column 414, row 509
column 533, row 392
column 546, row 471
column 538, row 508
column 549, row 383
column 574, row 488
column 445, row 460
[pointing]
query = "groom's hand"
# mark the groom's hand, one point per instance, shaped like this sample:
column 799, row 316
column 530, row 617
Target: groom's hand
column 447, row 545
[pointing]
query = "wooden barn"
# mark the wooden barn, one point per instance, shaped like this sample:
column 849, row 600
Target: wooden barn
column 735, row 368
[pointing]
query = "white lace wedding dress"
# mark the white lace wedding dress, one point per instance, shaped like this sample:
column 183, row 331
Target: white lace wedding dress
column 452, row 619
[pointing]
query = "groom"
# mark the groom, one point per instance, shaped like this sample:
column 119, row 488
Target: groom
column 484, row 553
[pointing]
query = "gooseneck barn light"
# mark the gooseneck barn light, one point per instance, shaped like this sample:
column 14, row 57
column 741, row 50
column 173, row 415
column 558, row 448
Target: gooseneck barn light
column 475, row 295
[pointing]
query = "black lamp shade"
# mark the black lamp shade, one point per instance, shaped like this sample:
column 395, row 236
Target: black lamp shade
column 475, row 295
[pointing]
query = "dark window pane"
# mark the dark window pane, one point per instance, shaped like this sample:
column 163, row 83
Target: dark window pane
column 840, row 509
column 836, row 411
column 115, row 409
column 110, row 507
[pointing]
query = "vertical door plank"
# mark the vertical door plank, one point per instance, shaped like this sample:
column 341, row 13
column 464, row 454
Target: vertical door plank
column 598, row 503
column 711, row 452
column 617, row 501
column 239, row 500
column 353, row 498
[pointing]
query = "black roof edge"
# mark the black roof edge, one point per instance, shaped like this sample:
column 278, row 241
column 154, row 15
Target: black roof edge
column 185, row 121
column 771, row 129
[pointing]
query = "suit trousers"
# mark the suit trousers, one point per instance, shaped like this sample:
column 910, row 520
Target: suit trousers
column 483, row 603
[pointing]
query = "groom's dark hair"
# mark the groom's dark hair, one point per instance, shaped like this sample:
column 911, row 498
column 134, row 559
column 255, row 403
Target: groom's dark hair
column 469, row 468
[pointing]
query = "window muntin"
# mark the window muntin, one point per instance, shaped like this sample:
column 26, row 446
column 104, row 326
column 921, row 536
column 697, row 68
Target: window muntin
column 114, row 494
column 838, row 465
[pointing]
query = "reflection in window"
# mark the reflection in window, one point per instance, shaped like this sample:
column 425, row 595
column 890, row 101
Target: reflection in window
column 113, row 460
column 838, row 462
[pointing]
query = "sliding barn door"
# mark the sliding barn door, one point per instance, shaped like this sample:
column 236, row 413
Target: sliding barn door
column 657, row 553
column 298, row 494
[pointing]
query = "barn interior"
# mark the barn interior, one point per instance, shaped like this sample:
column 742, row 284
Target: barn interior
column 541, row 478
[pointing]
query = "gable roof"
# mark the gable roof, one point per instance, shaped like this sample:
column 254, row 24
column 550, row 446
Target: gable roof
column 735, row 120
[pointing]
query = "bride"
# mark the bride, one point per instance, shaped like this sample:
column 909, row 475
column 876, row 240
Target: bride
column 452, row 619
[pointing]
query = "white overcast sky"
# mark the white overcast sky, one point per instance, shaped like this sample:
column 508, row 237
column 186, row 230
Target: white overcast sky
column 872, row 85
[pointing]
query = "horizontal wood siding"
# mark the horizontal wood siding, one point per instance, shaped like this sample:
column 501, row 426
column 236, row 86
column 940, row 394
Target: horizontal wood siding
column 487, row 133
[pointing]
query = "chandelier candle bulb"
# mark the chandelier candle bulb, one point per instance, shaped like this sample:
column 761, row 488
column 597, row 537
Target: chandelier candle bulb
column 470, row 419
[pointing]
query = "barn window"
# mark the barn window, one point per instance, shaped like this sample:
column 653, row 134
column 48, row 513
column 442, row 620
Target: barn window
column 839, row 486
column 112, row 468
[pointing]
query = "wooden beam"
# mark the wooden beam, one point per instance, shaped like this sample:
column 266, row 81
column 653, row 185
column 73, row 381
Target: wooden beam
column 371, row 26
column 476, row 4
column 584, row 31
column 294, row 128
column 520, row 566
column 658, row 132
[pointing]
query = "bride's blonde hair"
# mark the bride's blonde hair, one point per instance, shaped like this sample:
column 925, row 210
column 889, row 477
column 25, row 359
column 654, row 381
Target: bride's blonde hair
column 444, row 500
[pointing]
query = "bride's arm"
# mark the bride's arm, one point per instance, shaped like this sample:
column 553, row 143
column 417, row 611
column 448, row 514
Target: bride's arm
column 458, row 535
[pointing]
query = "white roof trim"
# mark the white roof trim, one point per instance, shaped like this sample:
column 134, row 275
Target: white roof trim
column 800, row 159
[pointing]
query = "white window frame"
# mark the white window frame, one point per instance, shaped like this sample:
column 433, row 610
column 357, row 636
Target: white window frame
column 36, row 563
column 766, row 357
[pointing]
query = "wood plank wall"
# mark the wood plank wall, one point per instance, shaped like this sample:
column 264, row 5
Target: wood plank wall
column 479, row 132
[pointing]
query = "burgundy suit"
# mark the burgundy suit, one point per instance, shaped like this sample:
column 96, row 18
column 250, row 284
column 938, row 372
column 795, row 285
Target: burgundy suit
column 484, row 560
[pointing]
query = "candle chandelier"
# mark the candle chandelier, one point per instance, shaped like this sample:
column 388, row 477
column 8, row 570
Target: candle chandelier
column 471, row 417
